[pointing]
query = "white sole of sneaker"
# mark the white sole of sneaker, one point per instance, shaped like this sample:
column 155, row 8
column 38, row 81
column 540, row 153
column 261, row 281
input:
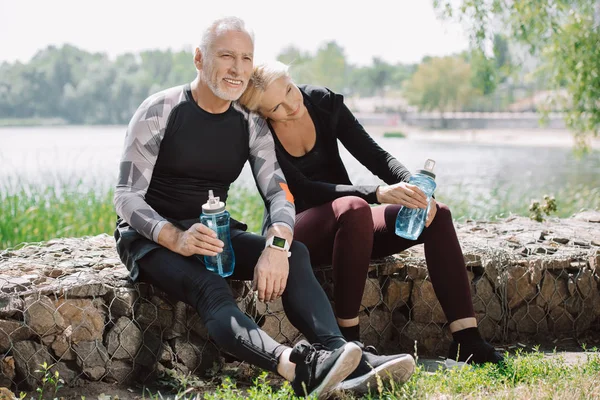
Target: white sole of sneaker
column 343, row 366
column 399, row 370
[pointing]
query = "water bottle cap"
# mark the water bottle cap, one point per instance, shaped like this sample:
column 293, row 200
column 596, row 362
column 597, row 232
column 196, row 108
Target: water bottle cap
column 428, row 169
column 213, row 205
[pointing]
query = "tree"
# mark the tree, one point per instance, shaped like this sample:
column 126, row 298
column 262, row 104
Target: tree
column 565, row 34
column 299, row 62
column 330, row 67
column 440, row 84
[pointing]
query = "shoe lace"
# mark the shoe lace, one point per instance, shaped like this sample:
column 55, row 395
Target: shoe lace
column 368, row 349
column 320, row 352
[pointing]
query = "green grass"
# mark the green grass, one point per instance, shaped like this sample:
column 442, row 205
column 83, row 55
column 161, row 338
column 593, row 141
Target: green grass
column 34, row 212
column 394, row 134
column 532, row 375
column 524, row 376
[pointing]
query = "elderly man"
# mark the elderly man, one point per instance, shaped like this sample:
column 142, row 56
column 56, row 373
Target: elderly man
column 185, row 141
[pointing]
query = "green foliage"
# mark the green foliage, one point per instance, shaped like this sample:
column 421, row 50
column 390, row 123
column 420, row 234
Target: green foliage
column 440, row 84
column 89, row 88
column 537, row 210
column 35, row 212
column 395, row 134
column 524, row 375
column 565, row 34
column 50, row 380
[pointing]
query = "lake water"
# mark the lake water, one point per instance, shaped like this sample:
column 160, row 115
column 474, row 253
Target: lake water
column 91, row 154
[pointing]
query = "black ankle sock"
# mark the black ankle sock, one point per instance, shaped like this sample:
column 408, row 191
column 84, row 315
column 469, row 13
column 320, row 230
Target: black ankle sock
column 351, row 333
column 468, row 345
column 469, row 335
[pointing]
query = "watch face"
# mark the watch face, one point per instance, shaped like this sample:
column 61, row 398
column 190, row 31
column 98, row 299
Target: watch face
column 279, row 242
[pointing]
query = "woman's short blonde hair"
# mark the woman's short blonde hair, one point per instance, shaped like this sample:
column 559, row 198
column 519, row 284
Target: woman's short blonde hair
column 262, row 76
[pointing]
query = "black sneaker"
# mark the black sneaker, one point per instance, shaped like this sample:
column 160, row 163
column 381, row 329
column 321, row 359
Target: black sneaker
column 396, row 367
column 475, row 353
column 318, row 370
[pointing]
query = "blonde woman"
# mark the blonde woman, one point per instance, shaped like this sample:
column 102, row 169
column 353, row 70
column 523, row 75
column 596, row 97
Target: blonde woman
column 334, row 218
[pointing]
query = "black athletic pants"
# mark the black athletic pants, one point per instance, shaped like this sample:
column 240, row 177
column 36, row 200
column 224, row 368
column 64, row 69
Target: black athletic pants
column 187, row 279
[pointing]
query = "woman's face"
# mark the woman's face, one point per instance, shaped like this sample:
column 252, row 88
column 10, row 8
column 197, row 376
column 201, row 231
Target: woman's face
column 282, row 101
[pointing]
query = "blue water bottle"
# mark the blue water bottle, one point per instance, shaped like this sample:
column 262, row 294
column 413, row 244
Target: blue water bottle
column 216, row 218
column 411, row 221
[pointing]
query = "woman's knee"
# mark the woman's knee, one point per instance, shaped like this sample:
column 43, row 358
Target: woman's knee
column 443, row 212
column 353, row 209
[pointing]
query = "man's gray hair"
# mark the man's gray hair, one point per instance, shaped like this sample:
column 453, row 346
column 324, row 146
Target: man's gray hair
column 223, row 25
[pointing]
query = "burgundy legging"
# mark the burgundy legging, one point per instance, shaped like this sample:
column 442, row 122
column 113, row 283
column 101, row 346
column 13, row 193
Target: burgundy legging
column 348, row 233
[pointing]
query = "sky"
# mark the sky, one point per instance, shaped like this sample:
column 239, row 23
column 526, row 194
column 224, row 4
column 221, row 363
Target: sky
column 394, row 30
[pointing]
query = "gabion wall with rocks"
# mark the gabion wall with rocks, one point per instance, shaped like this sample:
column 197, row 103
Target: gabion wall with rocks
column 68, row 302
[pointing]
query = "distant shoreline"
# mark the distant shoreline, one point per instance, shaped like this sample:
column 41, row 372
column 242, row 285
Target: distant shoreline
column 516, row 137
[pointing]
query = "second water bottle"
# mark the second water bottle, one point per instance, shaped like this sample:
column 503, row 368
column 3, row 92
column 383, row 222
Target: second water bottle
column 411, row 221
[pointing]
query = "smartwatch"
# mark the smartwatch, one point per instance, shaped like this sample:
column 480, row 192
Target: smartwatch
column 278, row 243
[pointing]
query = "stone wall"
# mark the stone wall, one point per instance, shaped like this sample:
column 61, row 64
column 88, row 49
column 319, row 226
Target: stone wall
column 68, row 302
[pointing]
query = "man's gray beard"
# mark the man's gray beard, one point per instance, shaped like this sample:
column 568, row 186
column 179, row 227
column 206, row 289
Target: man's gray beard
column 223, row 95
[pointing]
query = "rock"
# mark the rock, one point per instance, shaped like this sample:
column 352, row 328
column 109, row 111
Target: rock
column 156, row 313
column 195, row 324
column 396, row 293
column 488, row 328
column 124, row 339
column 28, row 358
column 560, row 321
column 375, row 327
column 528, row 319
column 121, row 302
column 263, row 308
column 472, row 260
column 552, row 292
column 491, row 268
column 279, row 328
column 197, row 355
column 12, row 332
column 584, row 320
column 588, row 216
column 10, row 284
column 120, row 372
column 11, row 306
column 61, row 345
column 519, row 288
column 92, row 358
column 426, row 307
column 585, row 283
column 85, row 320
column 42, row 317
column 388, row 267
column 416, row 272
column 556, row 263
column 371, row 295
column 7, row 371
column 431, row 339
column 485, row 300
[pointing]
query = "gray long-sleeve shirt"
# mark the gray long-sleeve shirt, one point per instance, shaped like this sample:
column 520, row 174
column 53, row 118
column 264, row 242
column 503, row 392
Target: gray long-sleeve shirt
column 175, row 152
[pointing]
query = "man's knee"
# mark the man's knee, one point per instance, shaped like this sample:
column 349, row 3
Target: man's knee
column 208, row 294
